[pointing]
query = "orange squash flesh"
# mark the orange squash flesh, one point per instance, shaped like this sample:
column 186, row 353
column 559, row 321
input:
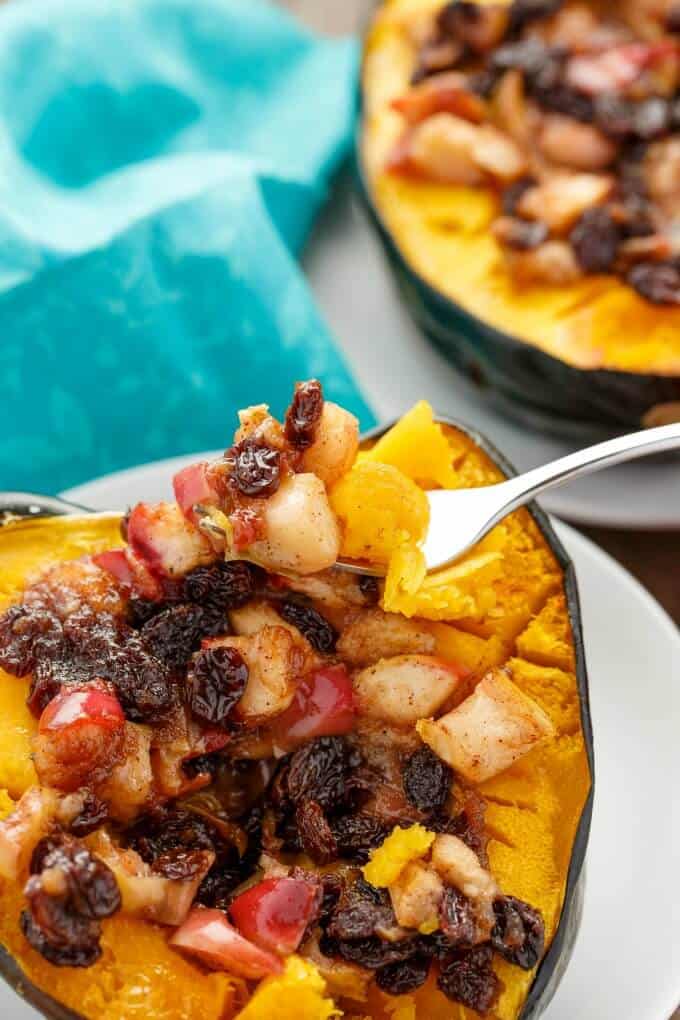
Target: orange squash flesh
column 533, row 808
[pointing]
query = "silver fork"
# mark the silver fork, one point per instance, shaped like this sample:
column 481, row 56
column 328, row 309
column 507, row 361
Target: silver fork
column 459, row 518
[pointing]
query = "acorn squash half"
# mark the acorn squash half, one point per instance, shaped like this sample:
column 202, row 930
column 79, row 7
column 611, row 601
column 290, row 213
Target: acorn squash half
column 590, row 356
column 538, row 811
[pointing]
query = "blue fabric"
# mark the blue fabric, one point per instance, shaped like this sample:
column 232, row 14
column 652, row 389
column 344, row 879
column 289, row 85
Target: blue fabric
column 161, row 163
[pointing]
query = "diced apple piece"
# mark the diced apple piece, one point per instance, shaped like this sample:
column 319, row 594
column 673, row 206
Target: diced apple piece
column 192, row 487
column 560, row 200
column 23, row 828
column 489, row 730
column 323, row 706
column 403, row 689
column 131, row 572
column 275, row 913
column 302, row 533
column 335, row 445
column 165, row 540
column 373, row 634
column 449, row 150
column 276, row 660
column 208, row 935
column 129, row 786
column 459, row 866
column 441, row 93
column 416, row 896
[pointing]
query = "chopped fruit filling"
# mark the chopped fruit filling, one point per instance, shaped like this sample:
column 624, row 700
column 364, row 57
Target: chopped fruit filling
column 235, row 740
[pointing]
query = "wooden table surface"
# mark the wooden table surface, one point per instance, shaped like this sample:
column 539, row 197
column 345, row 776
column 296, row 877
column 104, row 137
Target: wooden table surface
column 653, row 557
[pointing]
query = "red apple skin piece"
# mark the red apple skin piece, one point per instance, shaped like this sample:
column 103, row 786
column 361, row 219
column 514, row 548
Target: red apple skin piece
column 323, row 706
column 275, row 913
column 89, row 705
column 169, row 544
column 192, row 487
column 130, row 572
column 208, row 935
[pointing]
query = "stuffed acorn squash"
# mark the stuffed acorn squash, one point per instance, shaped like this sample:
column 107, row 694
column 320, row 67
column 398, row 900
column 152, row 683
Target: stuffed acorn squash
column 522, row 161
column 236, row 782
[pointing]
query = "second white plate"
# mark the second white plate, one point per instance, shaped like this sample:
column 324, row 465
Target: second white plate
column 396, row 366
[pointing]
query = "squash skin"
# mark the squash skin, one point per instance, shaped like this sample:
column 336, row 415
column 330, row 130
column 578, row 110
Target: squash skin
column 522, row 379
column 556, row 959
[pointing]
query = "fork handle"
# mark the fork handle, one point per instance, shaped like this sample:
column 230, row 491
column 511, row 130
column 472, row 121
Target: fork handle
column 613, row 451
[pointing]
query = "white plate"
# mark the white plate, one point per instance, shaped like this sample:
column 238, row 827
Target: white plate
column 396, row 366
column 626, row 964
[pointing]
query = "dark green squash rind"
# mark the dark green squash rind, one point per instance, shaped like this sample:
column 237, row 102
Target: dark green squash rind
column 527, row 382
column 555, row 961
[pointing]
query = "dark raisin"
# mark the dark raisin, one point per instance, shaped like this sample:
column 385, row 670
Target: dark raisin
column 457, row 919
column 140, row 611
column 223, row 585
column 312, row 625
column 369, row 588
column 315, row 833
column 658, row 282
column 596, row 239
column 357, row 834
column 519, row 933
column 202, row 764
column 45, row 685
column 332, row 887
column 20, row 629
column 304, row 414
column 482, row 83
column 521, row 235
column 672, row 20
column 427, row 780
column 467, row 826
column 217, row 888
column 177, row 632
column 217, row 680
column 255, row 468
column 467, row 977
column 557, row 97
column 514, row 192
column 180, row 864
column 164, row 830
column 652, row 118
column 614, row 115
column 363, row 911
column 403, row 977
column 64, row 926
column 373, row 953
column 523, row 12
column 320, row 770
column 91, row 816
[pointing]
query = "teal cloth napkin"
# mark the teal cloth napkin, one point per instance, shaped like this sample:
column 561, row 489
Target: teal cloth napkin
column 161, row 163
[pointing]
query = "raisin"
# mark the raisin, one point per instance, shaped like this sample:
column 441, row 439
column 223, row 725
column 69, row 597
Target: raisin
column 20, row 629
column 363, row 911
column 175, row 633
column 369, row 588
column 672, row 20
column 596, row 239
column 255, row 468
column 523, row 12
column 312, row 625
column 217, row 680
column 202, row 764
column 519, row 933
column 457, row 919
column 180, row 864
column 514, row 192
column 427, row 780
column 614, row 115
column 658, row 282
column 467, row 826
column 320, row 770
column 91, row 816
column 372, row 953
column 315, row 833
column 217, row 888
column 304, row 414
column 357, row 834
column 556, row 97
column 467, row 977
column 404, row 976
column 521, row 235
column 164, row 830
column 223, row 586
column 64, row 925
column 140, row 611
column 332, row 887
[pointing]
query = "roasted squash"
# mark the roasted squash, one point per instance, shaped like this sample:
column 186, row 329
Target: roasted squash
column 527, row 626
column 591, row 353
